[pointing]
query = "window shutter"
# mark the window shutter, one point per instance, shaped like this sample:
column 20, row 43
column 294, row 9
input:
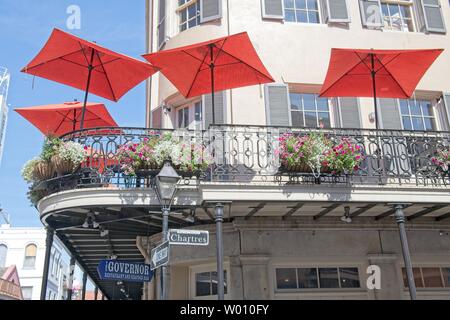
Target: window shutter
column 162, row 23
column 277, row 105
column 157, row 118
column 272, row 9
column 349, row 115
column 446, row 100
column 389, row 115
column 210, row 10
column 337, row 11
column 371, row 13
column 219, row 107
column 432, row 14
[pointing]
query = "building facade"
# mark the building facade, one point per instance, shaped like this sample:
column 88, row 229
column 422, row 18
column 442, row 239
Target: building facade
column 25, row 248
column 4, row 85
column 286, row 235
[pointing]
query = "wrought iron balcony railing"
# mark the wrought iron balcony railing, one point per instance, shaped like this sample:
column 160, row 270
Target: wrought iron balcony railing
column 246, row 154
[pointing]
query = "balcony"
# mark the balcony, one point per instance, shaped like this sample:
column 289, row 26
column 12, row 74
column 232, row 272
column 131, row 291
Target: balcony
column 10, row 290
column 247, row 155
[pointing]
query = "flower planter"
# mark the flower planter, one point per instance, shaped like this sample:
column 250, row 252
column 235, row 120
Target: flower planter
column 44, row 171
column 303, row 168
column 63, row 167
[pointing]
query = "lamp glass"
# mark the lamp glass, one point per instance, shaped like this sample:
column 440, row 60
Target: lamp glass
column 166, row 182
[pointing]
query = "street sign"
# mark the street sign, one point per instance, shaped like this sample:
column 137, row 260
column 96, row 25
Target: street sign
column 124, row 270
column 160, row 255
column 189, row 237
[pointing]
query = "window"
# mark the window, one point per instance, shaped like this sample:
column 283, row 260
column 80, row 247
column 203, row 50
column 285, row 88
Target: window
column 417, row 115
column 397, row 16
column 3, row 252
column 304, row 11
column 429, row 277
column 206, row 283
column 317, row 278
column 190, row 116
column 30, row 256
column 189, row 12
column 308, row 110
column 27, row 293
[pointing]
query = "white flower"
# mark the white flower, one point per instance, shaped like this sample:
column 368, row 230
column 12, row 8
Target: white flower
column 72, row 151
column 168, row 150
column 28, row 169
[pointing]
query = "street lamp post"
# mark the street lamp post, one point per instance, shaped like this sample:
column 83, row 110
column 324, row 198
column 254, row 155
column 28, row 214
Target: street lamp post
column 166, row 186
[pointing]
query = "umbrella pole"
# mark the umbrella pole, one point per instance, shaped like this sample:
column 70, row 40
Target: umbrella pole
column 90, row 68
column 374, row 86
column 74, row 122
column 211, row 66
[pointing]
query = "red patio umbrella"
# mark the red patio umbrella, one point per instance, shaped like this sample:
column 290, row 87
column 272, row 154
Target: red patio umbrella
column 59, row 119
column 87, row 66
column 376, row 73
column 215, row 65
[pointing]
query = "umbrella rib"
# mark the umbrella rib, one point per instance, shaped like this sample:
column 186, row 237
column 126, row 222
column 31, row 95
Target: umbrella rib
column 78, row 64
column 106, row 76
column 84, row 54
column 64, row 118
column 51, row 60
column 196, row 74
column 192, row 56
column 383, row 65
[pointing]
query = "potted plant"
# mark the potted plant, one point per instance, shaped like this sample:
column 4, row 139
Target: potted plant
column 442, row 160
column 68, row 157
column 29, row 171
column 345, row 157
column 303, row 153
column 195, row 159
column 135, row 158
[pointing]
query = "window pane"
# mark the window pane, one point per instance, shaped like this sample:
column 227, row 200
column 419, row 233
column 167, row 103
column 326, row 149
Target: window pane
column 296, row 101
column 310, row 119
column 27, row 293
column 405, row 11
column 186, row 117
column 289, row 4
column 297, row 119
column 3, row 252
column 183, row 27
column 30, row 250
column 417, row 123
column 349, row 277
column 286, row 278
column 384, row 9
column 394, row 10
column 313, row 17
column 312, row 5
column 300, row 4
column 29, row 262
column 415, row 108
column 203, row 284
column 307, row 278
column 322, row 104
column 309, row 102
column 214, row 282
column 302, row 16
column 429, row 124
column 324, row 120
column 192, row 11
column 328, row 278
column 446, row 274
column 427, row 109
column 404, row 106
column 417, row 278
column 432, row 277
column 192, row 23
column 180, row 118
column 289, row 15
column 406, row 123
column 198, row 111
column 183, row 16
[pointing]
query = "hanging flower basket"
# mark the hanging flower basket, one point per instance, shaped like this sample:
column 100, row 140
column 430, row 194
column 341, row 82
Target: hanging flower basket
column 44, row 170
column 63, row 167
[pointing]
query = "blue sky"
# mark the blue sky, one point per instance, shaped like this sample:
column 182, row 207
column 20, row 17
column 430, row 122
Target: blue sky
column 25, row 26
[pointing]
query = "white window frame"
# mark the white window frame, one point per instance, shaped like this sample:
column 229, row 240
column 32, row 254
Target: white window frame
column 206, row 268
column 192, row 125
column 435, row 115
column 330, row 111
column 333, row 20
column 271, row 16
column 407, row 3
column 425, row 20
column 319, row 9
column 185, row 6
column 25, row 256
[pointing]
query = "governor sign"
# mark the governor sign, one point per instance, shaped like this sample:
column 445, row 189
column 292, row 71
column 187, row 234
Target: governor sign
column 124, row 270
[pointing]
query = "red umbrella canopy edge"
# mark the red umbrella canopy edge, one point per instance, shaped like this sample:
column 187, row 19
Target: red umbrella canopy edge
column 65, row 59
column 397, row 72
column 59, row 119
column 236, row 64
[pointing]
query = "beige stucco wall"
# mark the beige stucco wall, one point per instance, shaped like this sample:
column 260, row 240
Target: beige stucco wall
column 297, row 53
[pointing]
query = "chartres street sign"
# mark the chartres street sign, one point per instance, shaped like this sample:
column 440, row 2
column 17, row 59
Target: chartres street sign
column 189, row 237
column 124, row 270
column 160, row 255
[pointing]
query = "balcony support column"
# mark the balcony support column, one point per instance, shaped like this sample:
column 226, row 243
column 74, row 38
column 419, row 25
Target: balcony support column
column 71, row 272
column 400, row 219
column 83, row 292
column 48, row 249
column 219, row 251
